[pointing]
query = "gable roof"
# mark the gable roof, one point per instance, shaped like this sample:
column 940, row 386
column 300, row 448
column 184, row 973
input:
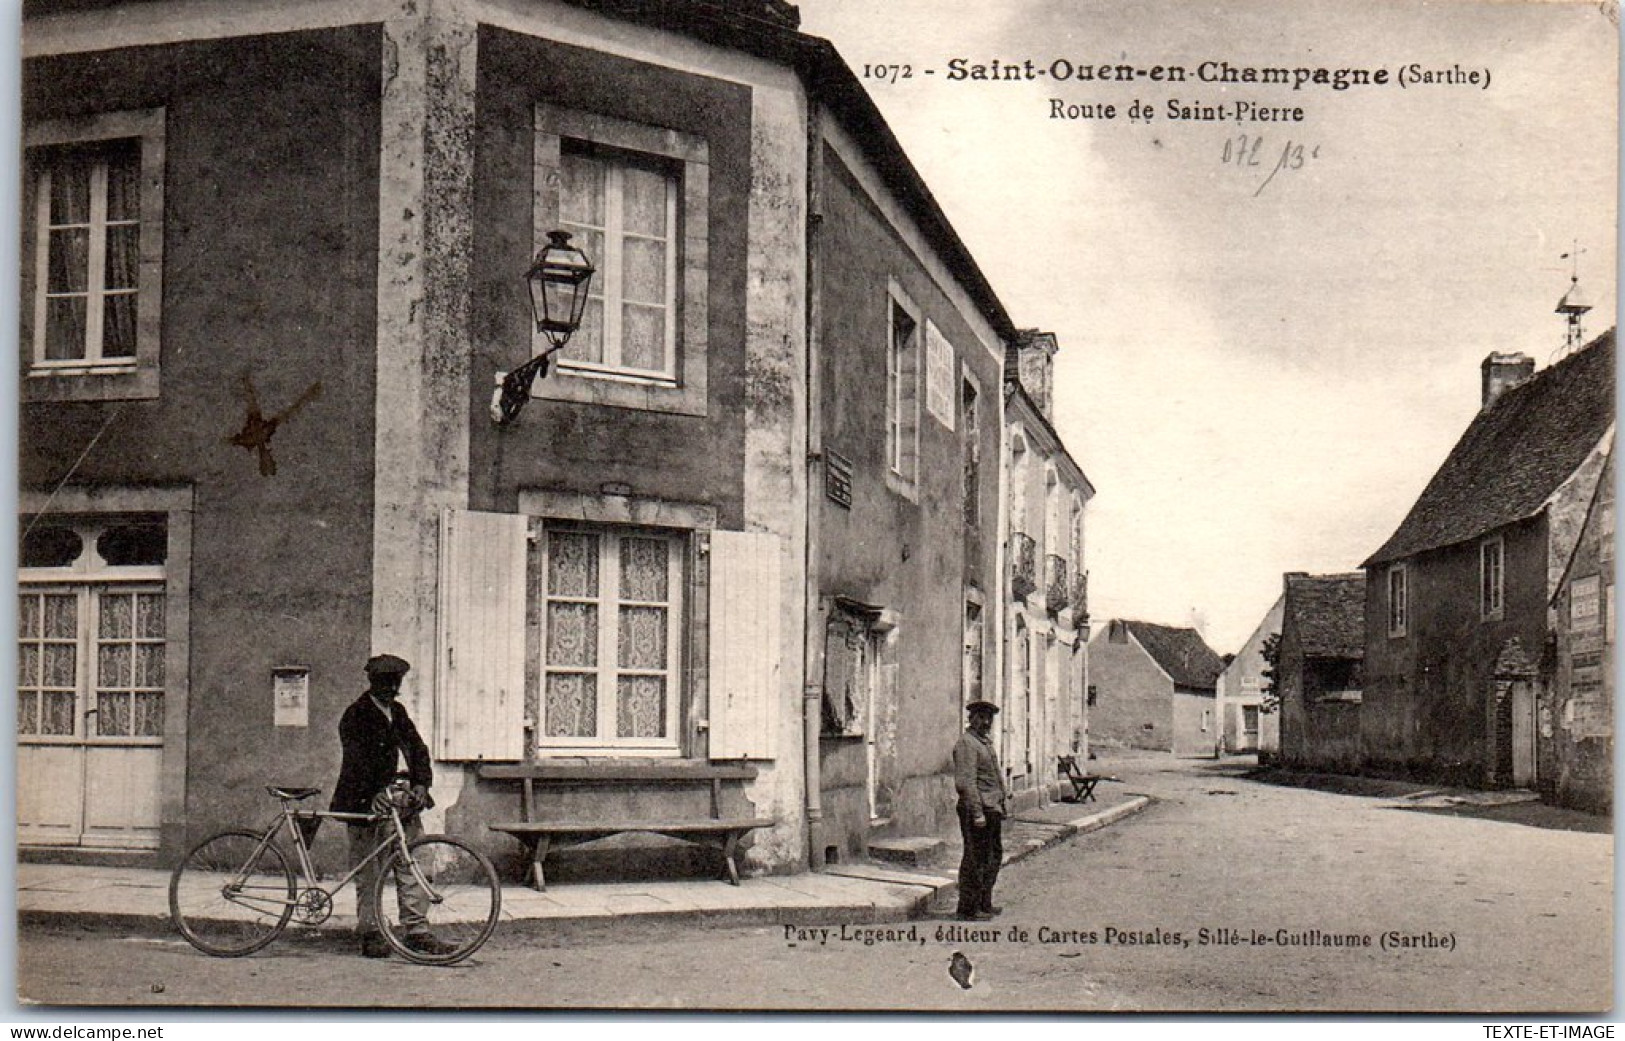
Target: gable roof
column 1181, row 653
column 1327, row 613
column 1513, row 455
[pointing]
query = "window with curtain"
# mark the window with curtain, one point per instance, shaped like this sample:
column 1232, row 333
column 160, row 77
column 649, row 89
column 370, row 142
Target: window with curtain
column 622, row 209
column 88, row 208
column 92, row 256
column 611, row 639
column 87, row 648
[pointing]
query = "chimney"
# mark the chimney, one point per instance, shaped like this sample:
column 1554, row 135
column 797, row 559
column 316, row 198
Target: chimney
column 1031, row 362
column 1286, row 579
column 1502, row 372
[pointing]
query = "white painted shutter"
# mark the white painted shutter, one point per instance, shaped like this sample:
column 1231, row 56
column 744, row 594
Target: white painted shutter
column 745, row 644
column 480, row 706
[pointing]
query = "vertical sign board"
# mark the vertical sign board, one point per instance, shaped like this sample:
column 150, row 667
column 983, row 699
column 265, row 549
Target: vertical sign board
column 745, row 644
column 939, row 375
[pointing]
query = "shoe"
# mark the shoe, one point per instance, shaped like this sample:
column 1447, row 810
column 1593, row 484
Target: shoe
column 974, row 916
column 993, row 912
column 430, row 944
column 373, row 946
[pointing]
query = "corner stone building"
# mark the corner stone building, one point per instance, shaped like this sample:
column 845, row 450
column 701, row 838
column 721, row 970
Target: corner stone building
column 274, row 260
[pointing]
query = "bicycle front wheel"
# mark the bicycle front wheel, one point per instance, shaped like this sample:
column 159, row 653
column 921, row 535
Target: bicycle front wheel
column 446, row 909
column 232, row 894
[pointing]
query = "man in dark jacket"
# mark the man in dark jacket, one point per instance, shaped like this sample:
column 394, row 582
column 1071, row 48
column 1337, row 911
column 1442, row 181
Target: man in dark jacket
column 380, row 743
column 982, row 803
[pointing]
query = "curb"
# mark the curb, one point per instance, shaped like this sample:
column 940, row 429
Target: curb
column 911, row 907
column 1060, row 834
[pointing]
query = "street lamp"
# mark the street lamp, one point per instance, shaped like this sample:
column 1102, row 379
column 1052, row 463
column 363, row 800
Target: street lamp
column 559, row 280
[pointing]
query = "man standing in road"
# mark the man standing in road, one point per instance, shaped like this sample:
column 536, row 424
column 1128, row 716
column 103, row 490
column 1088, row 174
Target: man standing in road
column 982, row 798
column 378, row 736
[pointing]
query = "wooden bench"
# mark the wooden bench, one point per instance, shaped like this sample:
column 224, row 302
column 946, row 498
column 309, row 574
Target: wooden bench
column 1083, row 784
column 541, row 836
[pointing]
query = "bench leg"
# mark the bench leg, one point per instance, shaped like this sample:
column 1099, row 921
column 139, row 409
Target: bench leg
column 1088, row 792
column 538, row 853
column 730, row 846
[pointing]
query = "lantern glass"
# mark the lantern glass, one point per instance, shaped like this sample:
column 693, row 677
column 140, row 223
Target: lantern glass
column 559, row 283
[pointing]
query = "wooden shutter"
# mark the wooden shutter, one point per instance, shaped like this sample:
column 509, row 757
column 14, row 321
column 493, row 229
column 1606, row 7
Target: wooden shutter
column 745, row 644
column 480, row 702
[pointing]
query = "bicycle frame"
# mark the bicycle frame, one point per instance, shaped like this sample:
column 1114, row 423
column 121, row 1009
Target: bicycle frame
column 288, row 819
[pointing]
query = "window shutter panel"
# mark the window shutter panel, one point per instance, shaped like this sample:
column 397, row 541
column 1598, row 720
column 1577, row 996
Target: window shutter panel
column 480, row 708
column 745, row 648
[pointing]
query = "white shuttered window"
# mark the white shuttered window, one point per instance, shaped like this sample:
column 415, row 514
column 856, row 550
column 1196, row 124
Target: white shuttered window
column 745, row 644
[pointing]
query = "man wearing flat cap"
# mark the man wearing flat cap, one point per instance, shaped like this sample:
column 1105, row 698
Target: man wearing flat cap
column 982, row 802
column 381, row 743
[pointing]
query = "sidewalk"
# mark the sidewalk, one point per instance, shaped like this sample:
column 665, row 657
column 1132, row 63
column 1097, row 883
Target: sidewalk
column 138, row 899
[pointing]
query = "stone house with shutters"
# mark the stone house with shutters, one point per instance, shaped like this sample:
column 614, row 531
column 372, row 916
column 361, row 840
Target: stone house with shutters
column 1046, row 613
column 1153, row 687
column 274, row 260
column 1463, row 601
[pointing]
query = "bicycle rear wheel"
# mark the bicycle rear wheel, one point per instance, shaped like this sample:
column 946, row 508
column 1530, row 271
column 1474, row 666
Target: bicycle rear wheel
column 454, row 917
column 231, row 895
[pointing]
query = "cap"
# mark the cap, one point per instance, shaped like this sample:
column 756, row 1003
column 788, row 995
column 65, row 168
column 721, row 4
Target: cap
column 982, row 706
column 386, row 665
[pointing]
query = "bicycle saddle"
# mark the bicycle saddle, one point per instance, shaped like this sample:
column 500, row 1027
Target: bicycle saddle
column 284, row 792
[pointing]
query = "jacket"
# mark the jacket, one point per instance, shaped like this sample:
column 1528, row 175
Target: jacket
column 977, row 777
column 370, row 742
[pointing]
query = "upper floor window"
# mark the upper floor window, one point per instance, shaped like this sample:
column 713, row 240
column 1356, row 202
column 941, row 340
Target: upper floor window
column 622, row 210
column 1490, row 579
column 902, row 387
column 92, row 267
column 1397, row 606
column 635, row 199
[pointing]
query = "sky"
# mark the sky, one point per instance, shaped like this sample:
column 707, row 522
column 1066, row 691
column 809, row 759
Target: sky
column 1260, row 365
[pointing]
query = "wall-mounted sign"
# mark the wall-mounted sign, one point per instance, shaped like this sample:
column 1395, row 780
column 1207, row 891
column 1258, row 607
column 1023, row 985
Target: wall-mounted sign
column 290, row 694
column 939, row 375
column 838, row 478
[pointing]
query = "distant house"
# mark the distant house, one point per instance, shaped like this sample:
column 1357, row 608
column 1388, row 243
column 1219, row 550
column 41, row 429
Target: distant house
column 1459, row 599
column 1575, row 743
column 1244, row 725
column 1322, row 645
column 1154, row 687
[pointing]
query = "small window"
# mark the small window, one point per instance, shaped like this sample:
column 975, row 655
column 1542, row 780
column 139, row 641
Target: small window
column 972, row 449
column 902, row 389
column 50, row 546
column 1490, row 572
column 133, row 545
column 1397, row 607
column 92, row 269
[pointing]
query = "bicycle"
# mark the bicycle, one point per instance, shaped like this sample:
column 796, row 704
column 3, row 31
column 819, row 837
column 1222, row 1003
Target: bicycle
column 235, row 892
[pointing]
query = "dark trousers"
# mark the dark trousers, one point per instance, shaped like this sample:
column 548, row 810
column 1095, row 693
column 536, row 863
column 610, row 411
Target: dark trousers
column 979, row 868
